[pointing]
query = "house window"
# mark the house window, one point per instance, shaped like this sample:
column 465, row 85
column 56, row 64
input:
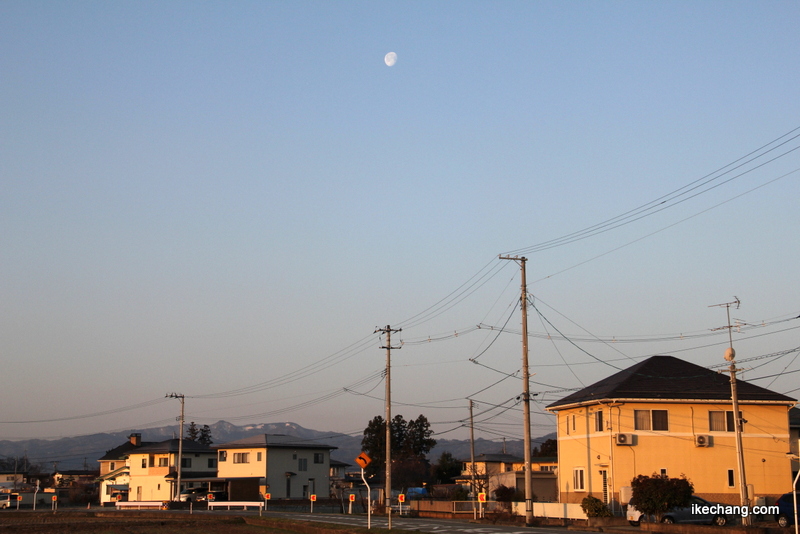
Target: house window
column 302, row 464
column 651, row 420
column 578, row 483
column 319, row 458
column 163, row 462
column 719, row 421
column 731, row 479
column 567, row 424
column 144, row 463
column 212, row 463
column 152, row 461
column 223, row 456
column 186, row 463
column 663, row 472
column 598, row 421
column 258, row 457
column 573, row 423
column 241, row 457
column 112, row 466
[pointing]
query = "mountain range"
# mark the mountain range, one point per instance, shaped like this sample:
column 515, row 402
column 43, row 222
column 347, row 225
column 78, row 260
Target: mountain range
column 83, row 451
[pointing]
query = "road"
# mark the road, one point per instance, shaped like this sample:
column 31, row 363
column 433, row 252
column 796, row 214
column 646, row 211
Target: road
column 435, row 526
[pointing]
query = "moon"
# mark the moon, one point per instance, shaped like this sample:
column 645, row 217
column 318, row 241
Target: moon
column 390, row 59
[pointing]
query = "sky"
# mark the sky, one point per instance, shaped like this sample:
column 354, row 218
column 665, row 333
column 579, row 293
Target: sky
column 226, row 200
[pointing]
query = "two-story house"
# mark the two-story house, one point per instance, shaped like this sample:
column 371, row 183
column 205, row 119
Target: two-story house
column 668, row 416
column 154, row 469
column 286, row 467
column 114, row 470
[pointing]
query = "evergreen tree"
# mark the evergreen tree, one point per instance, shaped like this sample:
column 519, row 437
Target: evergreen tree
column 192, row 433
column 205, row 435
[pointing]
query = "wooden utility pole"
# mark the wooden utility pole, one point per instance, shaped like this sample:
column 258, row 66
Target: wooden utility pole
column 387, row 487
column 526, row 393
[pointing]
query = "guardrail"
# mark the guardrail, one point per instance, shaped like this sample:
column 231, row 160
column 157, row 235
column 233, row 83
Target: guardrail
column 228, row 504
column 140, row 504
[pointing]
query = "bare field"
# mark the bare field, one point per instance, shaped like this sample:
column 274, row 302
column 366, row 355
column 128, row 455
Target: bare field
column 79, row 524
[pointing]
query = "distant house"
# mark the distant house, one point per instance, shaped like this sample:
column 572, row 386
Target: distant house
column 668, row 416
column 74, row 477
column 338, row 477
column 154, row 469
column 114, row 469
column 794, row 439
column 10, row 480
column 284, row 466
column 494, row 470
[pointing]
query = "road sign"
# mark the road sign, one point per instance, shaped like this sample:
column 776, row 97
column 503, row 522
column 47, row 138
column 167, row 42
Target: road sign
column 363, row 460
column 482, row 497
column 210, row 497
column 352, row 497
column 313, row 497
column 401, row 497
column 267, row 496
column 19, row 497
column 55, row 498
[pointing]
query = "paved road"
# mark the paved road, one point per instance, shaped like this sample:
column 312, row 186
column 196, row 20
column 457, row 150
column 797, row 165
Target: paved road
column 434, row 526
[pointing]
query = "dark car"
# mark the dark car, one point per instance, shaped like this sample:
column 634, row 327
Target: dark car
column 698, row 511
column 785, row 515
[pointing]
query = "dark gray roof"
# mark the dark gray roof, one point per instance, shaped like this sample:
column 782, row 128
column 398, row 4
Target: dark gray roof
column 171, row 445
column 669, row 379
column 121, row 452
column 274, row 441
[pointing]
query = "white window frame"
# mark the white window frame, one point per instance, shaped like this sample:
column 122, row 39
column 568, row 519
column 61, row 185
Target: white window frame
column 579, row 479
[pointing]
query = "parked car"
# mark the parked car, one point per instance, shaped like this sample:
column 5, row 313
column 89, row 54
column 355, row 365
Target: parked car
column 5, row 500
column 192, row 494
column 785, row 515
column 698, row 511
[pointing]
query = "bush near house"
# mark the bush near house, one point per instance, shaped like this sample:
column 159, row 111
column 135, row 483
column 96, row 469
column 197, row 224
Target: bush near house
column 594, row 507
column 657, row 494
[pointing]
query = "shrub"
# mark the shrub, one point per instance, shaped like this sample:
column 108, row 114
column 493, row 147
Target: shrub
column 657, row 494
column 594, row 507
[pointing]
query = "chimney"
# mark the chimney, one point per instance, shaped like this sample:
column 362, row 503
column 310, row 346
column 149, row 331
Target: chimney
column 136, row 439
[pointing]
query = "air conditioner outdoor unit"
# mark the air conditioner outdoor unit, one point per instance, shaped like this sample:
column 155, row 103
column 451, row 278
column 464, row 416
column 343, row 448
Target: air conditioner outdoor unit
column 624, row 439
column 702, row 440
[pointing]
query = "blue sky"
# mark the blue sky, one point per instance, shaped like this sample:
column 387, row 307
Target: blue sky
column 204, row 197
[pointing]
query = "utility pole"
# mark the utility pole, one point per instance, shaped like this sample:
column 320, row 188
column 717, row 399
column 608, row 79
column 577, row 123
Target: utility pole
column 526, row 392
column 730, row 355
column 472, row 457
column 176, row 495
column 387, row 487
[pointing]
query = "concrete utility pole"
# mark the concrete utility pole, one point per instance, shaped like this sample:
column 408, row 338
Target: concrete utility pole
column 472, row 457
column 387, row 487
column 179, row 466
column 526, row 392
column 730, row 355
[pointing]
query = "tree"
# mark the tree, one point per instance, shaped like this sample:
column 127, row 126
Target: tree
column 205, row 435
column 446, row 469
column 192, row 433
column 548, row 449
column 657, row 494
column 410, row 441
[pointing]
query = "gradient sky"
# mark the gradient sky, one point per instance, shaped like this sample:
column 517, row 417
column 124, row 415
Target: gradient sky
column 225, row 199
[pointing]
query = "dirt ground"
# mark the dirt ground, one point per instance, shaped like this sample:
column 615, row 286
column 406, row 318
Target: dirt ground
column 69, row 524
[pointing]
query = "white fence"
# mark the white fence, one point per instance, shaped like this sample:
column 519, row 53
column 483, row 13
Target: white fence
column 553, row 510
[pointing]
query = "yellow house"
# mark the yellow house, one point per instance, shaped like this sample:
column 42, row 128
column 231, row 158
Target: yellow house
column 153, row 469
column 668, row 416
column 286, row 467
